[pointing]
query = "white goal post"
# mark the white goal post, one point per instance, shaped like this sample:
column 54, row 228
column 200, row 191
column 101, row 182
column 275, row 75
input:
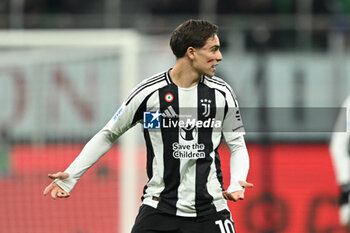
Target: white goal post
column 125, row 42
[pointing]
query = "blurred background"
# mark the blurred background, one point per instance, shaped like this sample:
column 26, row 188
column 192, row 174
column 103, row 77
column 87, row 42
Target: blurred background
column 66, row 66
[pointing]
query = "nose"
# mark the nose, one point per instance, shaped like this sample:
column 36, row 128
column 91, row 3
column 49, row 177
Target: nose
column 219, row 56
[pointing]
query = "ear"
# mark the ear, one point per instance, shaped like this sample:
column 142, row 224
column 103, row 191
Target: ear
column 190, row 52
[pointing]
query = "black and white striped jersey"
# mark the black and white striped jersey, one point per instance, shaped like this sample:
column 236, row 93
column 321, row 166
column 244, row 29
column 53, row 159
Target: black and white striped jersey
column 183, row 128
column 183, row 165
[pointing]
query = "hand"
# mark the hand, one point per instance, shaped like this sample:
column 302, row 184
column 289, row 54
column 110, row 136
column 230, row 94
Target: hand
column 56, row 191
column 238, row 195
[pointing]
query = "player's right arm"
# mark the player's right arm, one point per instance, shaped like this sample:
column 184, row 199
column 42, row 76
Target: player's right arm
column 65, row 181
column 97, row 146
column 130, row 113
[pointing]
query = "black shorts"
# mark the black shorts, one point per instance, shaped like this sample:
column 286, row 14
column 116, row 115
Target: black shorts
column 151, row 220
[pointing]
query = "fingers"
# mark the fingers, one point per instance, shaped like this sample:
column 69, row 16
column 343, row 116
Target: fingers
column 47, row 189
column 245, row 184
column 53, row 188
column 231, row 196
column 240, row 196
column 59, row 175
column 62, row 195
column 224, row 193
column 56, row 191
column 235, row 196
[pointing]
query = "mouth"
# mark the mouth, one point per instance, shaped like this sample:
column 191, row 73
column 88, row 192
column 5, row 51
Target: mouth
column 213, row 67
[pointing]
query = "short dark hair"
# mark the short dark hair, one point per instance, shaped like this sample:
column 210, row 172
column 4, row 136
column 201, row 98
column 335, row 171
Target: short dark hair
column 191, row 33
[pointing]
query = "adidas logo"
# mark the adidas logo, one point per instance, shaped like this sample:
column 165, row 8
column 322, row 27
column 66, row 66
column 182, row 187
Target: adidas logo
column 170, row 113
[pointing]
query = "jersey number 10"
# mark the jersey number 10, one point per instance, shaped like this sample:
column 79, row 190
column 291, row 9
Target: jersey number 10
column 225, row 227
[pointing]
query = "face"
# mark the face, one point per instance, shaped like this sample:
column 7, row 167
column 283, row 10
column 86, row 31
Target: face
column 206, row 59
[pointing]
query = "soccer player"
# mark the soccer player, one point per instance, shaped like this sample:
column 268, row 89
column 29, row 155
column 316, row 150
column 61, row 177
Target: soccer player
column 340, row 151
column 186, row 112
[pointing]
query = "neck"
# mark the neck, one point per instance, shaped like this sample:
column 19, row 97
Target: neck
column 183, row 75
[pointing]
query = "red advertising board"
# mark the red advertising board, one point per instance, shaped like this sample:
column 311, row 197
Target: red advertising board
column 295, row 191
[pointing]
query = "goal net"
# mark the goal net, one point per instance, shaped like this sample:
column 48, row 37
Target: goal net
column 58, row 88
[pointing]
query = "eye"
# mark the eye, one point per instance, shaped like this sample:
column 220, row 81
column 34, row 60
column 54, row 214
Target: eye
column 214, row 49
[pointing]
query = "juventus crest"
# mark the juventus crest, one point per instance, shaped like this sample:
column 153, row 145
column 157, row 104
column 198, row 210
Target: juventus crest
column 206, row 104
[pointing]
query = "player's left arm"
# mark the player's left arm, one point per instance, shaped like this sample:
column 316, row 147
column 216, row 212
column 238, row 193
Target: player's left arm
column 239, row 167
column 233, row 132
